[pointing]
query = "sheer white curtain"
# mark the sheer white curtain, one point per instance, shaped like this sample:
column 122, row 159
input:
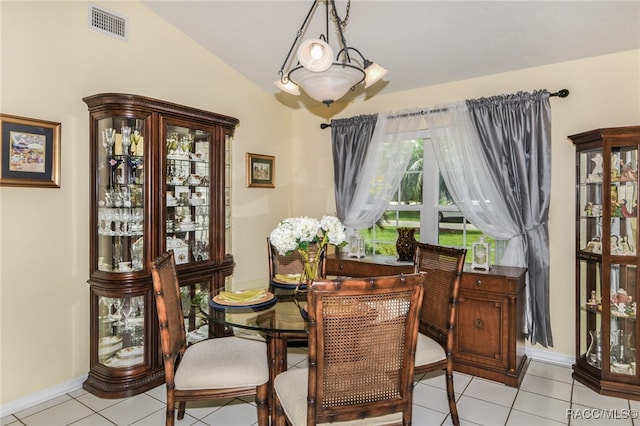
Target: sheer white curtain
column 466, row 174
column 386, row 161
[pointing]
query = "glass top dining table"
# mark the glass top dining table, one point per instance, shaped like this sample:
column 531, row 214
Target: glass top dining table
column 278, row 321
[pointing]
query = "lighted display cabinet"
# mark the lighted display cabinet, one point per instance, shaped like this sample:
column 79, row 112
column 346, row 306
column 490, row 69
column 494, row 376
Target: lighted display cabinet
column 160, row 180
column 607, row 260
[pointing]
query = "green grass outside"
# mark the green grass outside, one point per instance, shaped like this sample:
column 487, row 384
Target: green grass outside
column 386, row 241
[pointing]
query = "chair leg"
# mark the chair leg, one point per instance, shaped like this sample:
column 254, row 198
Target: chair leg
column 279, row 418
column 182, row 405
column 171, row 408
column 262, row 403
column 451, row 396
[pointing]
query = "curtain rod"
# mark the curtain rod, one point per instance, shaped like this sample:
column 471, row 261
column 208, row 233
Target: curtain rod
column 562, row 93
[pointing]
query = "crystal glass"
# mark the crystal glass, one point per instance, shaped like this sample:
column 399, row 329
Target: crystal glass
column 126, row 139
column 108, row 139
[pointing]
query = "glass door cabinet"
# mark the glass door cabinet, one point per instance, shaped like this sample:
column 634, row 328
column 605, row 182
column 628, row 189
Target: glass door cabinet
column 607, row 260
column 160, row 180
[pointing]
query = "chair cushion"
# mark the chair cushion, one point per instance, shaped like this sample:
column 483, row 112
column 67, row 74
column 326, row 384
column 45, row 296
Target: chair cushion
column 291, row 387
column 223, row 363
column 428, row 351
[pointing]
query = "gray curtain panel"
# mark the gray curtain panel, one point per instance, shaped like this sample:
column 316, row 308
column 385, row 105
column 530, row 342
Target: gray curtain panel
column 350, row 138
column 515, row 133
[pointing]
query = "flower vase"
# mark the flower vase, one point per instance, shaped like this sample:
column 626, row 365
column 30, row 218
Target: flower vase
column 406, row 244
column 594, row 353
column 311, row 262
column 621, row 348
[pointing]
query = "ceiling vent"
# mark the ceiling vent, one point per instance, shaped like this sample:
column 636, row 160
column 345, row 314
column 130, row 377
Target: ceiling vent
column 108, row 22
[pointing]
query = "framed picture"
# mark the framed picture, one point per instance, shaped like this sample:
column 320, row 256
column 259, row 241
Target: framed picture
column 29, row 152
column 261, row 171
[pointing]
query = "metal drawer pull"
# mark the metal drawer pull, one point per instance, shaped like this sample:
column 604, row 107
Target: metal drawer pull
column 478, row 283
column 478, row 323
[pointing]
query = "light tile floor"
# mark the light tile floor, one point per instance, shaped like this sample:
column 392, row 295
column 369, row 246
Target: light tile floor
column 546, row 396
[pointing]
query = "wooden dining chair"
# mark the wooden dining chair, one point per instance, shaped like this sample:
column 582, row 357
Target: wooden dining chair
column 362, row 337
column 434, row 351
column 291, row 264
column 211, row 369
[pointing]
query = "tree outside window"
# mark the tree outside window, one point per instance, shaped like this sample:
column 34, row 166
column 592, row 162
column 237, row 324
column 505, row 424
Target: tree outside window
column 422, row 201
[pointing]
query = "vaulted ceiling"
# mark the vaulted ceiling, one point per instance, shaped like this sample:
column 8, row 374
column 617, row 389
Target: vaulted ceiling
column 421, row 43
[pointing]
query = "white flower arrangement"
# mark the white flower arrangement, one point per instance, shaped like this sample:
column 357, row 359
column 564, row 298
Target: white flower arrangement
column 297, row 233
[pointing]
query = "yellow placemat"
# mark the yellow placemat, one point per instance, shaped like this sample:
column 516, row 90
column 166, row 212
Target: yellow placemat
column 243, row 298
column 287, row 278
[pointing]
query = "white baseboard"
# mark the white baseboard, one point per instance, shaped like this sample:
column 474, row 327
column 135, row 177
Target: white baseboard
column 549, row 356
column 41, row 396
column 75, row 384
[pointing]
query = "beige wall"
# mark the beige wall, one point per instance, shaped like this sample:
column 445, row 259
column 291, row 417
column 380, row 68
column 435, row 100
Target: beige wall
column 605, row 92
column 50, row 61
column 44, row 334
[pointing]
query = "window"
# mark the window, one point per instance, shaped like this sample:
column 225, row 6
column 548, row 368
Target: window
column 422, row 201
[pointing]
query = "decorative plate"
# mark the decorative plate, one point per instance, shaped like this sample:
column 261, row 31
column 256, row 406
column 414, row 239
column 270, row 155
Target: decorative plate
column 130, row 352
column 267, row 300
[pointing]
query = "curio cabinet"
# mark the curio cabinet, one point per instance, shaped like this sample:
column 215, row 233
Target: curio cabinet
column 160, row 180
column 607, row 260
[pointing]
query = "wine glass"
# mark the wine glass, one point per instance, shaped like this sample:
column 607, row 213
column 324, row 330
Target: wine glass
column 117, row 252
column 126, row 218
column 102, row 225
column 117, row 218
column 108, row 219
column 109, row 138
column 117, row 304
column 127, row 310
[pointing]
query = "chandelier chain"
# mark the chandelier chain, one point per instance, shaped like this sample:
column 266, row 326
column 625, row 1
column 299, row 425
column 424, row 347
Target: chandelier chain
column 336, row 18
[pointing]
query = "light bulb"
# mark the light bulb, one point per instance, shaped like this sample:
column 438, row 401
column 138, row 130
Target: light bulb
column 316, row 51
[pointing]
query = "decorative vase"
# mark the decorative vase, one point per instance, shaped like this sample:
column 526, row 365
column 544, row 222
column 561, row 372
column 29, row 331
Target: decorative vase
column 594, row 353
column 621, row 350
column 311, row 262
column 406, row 244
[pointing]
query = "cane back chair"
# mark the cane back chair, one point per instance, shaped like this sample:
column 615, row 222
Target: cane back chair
column 443, row 266
column 362, row 337
column 210, row 369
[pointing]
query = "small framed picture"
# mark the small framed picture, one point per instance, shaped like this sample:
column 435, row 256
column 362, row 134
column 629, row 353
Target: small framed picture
column 480, row 255
column 261, row 171
column 29, row 152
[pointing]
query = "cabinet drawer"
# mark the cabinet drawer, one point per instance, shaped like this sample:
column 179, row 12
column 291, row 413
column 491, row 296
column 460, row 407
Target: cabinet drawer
column 362, row 268
column 480, row 282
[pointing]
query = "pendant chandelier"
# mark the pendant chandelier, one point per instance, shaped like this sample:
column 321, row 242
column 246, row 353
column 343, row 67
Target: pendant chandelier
column 322, row 77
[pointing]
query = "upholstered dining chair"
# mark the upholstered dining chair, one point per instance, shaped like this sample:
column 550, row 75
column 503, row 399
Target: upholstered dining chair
column 434, row 351
column 362, row 337
column 281, row 266
column 210, row 369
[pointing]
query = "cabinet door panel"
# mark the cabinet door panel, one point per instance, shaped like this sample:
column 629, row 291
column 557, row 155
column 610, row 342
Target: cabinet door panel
column 480, row 330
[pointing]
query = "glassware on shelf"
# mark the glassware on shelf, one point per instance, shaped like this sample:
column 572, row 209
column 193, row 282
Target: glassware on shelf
column 117, row 305
column 117, row 250
column 126, row 139
column 136, row 137
column 594, row 353
column 137, row 254
column 200, row 250
column 623, row 357
column 109, row 139
column 128, row 309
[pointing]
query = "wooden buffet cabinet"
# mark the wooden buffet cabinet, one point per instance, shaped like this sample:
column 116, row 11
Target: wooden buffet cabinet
column 489, row 340
column 160, row 180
